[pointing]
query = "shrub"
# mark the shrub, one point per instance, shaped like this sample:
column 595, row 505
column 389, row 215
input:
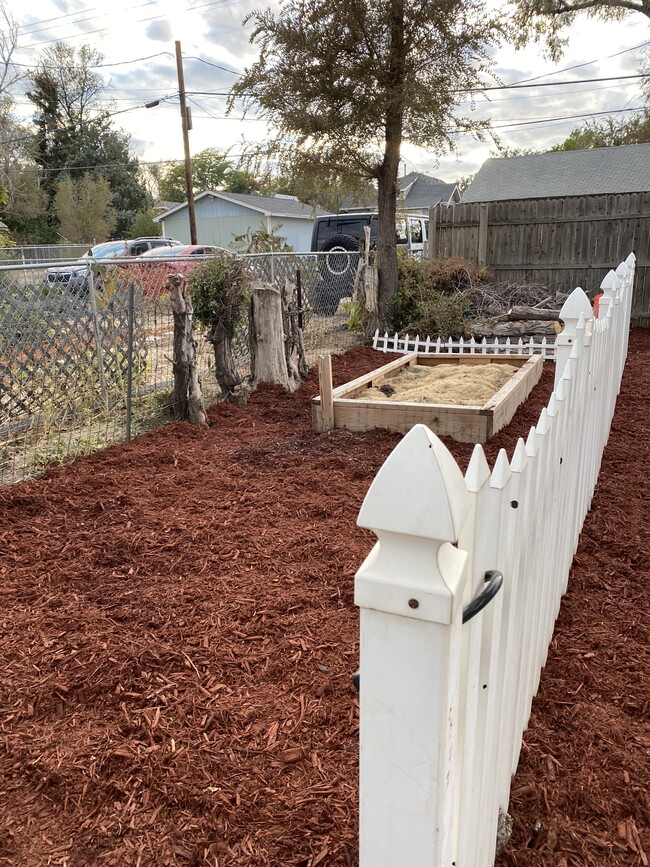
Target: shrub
column 219, row 289
column 434, row 294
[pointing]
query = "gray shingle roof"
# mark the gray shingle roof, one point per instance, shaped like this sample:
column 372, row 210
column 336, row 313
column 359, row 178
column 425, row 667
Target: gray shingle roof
column 624, row 169
column 417, row 190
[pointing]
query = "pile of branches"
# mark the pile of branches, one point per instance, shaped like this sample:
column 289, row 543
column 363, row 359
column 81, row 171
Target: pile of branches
column 454, row 297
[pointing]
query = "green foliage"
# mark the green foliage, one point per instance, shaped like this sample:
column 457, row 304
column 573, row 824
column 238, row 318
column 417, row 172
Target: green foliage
column 550, row 20
column 241, row 181
column 69, row 140
column 434, row 294
column 84, row 209
column 219, row 290
column 209, row 170
column 144, row 227
column 263, row 241
column 608, row 133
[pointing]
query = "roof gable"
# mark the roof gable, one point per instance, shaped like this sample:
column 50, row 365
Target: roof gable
column 624, row 169
column 272, row 206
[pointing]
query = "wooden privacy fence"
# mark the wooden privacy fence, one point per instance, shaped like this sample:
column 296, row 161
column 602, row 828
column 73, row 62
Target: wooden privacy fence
column 446, row 691
column 559, row 242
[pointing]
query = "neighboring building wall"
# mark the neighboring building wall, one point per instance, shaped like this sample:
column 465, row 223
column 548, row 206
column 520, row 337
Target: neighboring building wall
column 221, row 229
column 561, row 242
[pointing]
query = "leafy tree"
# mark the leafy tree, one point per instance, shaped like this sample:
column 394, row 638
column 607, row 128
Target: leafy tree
column 209, row 170
column 144, row 226
column 74, row 133
column 344, row 82
column 241, row 181
column 84, row 209
column 550, row 18
column 608, row 133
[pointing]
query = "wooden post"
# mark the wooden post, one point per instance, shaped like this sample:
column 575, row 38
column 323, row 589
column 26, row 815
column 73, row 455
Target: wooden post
column 432, row 239
column 483, row 235
column 326, row 395
column 577, row 303
column 410, row 591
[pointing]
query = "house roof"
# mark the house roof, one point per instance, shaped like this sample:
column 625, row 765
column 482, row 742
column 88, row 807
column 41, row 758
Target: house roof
column 624, row 169
column 270, row 206
column 417, row 191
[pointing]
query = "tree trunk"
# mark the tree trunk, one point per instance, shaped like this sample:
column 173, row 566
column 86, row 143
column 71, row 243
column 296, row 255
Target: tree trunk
column 224, row 363
column 294, row 347
column 187, row 397
column 366, row 289
column 268, row 361
column 388, row 171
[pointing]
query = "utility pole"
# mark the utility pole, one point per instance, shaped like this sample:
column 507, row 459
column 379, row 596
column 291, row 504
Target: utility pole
column 186, row 144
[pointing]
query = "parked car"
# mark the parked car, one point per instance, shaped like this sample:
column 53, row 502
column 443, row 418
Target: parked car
column 75, row 277
column 342, row 234
column 159, row 263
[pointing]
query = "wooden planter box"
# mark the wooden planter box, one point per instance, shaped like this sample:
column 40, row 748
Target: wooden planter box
column 474, row 424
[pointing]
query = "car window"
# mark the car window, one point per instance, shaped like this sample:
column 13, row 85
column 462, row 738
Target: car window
column 400, row 226
column 415, row 229
column 139, row 249
column 105, row 251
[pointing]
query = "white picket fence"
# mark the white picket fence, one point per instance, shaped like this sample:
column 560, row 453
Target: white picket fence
column 443, row 702
column 436, row 345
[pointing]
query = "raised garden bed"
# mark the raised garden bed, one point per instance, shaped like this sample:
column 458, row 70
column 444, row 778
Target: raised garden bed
column 372, row 400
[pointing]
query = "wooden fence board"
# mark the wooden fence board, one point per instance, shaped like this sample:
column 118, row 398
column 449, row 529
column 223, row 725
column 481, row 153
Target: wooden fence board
column 559, row 242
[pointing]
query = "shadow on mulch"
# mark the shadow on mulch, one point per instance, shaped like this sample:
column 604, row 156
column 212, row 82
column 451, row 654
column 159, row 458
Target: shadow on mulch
column 178, row 635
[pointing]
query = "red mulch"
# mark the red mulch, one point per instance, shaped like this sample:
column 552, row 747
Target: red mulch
column 178, row 634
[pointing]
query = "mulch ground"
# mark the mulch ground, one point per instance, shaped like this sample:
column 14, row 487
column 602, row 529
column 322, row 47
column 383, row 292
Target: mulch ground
column 178, row 635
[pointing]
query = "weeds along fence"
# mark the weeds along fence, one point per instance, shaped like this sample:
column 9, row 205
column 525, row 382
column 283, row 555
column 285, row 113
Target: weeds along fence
column 459, row 598
column 86, row 352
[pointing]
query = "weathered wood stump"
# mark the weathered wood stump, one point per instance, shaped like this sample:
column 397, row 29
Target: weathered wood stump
column 187, row 395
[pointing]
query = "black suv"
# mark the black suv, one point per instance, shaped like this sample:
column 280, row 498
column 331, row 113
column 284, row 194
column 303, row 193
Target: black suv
column 340, row 235
column 75, row 277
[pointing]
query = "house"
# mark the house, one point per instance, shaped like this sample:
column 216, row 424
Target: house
column 222, row 217
column 598, row 171
column 417, row 193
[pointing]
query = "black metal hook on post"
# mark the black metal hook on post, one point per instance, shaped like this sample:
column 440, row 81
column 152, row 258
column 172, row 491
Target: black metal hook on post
column 494, row 581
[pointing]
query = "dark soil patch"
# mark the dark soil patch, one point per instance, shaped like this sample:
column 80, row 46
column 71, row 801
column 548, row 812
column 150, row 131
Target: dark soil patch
column 178, row 634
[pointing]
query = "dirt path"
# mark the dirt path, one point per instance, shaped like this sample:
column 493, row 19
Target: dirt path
column 177, row 635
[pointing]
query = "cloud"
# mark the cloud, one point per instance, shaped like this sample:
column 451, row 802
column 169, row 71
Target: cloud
column 159, row 31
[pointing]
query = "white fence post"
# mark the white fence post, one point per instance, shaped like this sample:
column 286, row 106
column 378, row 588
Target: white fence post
column 410, row 591
column 577, row 303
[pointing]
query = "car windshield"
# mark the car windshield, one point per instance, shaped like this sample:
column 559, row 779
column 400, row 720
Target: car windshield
column 103, row 251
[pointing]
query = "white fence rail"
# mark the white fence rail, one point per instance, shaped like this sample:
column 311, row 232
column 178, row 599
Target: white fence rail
column 436, row 345
column 444, row 702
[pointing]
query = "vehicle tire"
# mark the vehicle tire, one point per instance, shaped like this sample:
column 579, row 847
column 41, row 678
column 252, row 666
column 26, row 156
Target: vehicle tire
column 336, row 273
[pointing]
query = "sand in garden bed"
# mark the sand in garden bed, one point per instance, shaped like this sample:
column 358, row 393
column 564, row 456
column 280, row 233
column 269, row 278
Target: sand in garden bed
column 471, row 385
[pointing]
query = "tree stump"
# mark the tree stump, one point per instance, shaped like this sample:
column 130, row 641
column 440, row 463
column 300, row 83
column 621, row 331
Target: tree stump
column 366, row 288
column 187, row 396
column 268, row 358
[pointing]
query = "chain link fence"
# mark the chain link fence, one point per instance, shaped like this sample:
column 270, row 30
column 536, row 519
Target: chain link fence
column 86, row 351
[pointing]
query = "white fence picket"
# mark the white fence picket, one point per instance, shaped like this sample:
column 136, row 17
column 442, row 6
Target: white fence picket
column 438, row 345
column 444, row 705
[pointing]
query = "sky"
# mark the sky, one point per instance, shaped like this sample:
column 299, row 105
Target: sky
column 137, row 41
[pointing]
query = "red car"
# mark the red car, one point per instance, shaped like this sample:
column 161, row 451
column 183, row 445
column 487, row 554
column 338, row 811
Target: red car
column 159, row 263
